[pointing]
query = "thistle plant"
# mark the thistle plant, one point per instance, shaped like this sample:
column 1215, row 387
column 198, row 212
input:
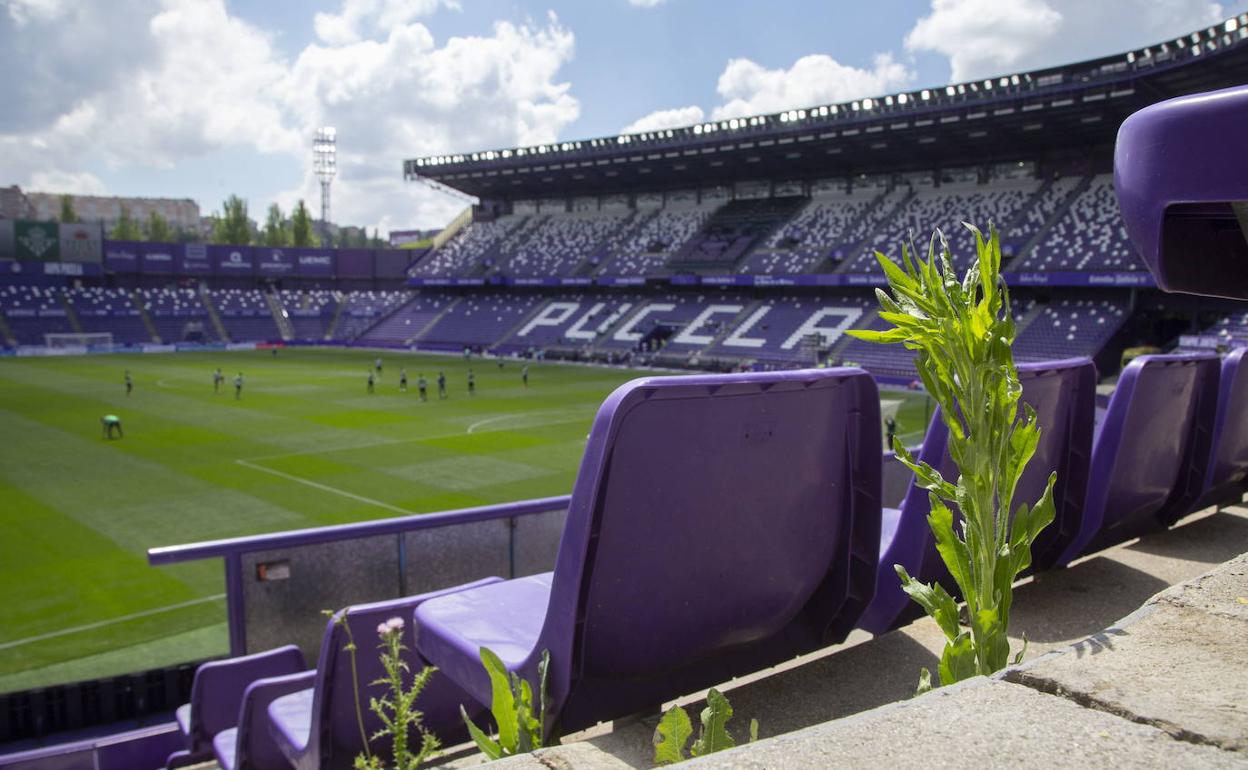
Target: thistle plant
column 511, row 705
column 397, row 708
column 962, row 332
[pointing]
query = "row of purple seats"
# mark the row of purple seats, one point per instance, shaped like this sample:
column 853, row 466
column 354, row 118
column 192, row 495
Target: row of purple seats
column 408, row 321
column 1089, row 236
column 1172, row 440
column 311, row 312
column 709, row 452
column 33, row 311
column 480, row 319
column 177, row 314
column 111, row 310
column 362, row 309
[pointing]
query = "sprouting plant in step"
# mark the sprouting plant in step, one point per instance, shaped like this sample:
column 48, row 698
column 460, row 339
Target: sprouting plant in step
column 962, row 332
column 397, row 708
column 511, row 705
column 675, row 729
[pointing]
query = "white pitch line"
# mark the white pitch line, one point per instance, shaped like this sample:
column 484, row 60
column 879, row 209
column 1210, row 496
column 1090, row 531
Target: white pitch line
column 111, row 621
column 491, row 421
column 326, row 488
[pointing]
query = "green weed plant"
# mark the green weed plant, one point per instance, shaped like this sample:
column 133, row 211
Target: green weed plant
column 675, row 730
column 511, row 705
column 962, row 332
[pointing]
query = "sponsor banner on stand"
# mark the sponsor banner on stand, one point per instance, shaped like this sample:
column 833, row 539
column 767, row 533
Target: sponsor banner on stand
column 82, row 242
column 314, row 263
column 621, row 280
column 158, row 258
column 193, row 259
column 274, row 262
column 37, row 240
column 231, row 260
column 122, row 256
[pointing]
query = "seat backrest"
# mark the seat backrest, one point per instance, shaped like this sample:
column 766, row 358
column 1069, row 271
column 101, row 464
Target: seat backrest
column 218, row 690
column 1151, row 450
column 719, row 524
column 1228, row 464
column 1063, row 395
column 336, row 734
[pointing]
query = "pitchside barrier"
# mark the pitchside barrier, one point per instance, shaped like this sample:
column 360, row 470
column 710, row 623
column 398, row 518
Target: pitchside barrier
column 276, row 585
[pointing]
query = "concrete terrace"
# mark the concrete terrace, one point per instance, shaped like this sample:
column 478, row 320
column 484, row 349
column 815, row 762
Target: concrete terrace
column 1135, row 658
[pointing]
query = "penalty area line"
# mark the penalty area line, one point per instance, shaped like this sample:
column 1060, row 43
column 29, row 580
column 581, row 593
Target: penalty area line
column 110, row 621
column 325, row 488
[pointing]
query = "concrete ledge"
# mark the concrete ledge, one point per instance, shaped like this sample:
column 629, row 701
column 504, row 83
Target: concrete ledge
column 979, row 723
column 1165, row 686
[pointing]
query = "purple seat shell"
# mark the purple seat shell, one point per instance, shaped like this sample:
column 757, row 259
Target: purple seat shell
column 217, row 694
column 719, row 524
column 1063, row 395
column 1151, row 451
column 1228, row 462
column 1178, row 165
column 317, row 727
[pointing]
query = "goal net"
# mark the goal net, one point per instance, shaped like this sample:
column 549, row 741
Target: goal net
column 74, row 340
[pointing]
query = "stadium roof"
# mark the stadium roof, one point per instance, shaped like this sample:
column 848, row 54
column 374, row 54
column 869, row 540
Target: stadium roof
column 1027, row 115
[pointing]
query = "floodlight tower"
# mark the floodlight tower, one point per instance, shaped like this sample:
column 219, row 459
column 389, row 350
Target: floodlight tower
column 325, row 161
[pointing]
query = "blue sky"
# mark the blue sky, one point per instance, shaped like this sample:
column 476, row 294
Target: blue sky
column 203, row 98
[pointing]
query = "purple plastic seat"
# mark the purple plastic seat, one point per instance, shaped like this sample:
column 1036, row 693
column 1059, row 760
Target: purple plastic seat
column 1063, row 395
column 1181, row 175
column 217, row 694
column 315, row 726
column 1227, row 476
column 249, row 745
column 719, row 524
column 1151, row 450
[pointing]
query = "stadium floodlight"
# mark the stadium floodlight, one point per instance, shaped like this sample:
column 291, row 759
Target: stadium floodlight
column 325, row 161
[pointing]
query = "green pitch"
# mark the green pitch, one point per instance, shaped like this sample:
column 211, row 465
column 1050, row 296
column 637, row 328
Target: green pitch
column 306, row 445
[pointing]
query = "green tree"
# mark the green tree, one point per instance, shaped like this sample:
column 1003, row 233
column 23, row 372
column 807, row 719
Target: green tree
column 68, row 215
column 232, row 225
column 158, row 229
column 275, row 231
column 301, row 226
column 126, row 228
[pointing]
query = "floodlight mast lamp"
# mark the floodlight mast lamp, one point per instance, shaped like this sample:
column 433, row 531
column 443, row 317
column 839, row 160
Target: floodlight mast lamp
column 325, row 161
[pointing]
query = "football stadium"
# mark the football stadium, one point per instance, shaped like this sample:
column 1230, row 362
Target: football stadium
column 623, row 421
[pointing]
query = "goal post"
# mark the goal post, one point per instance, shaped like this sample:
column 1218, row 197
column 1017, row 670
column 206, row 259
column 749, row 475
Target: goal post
column 77, row 339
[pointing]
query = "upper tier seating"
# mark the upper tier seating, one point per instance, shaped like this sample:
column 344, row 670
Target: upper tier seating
column 245, row 314
column 560, row 243
column 108, row 310
column 465, row 250
column 645, row 250
column 362, row 309
column 733, row 230
column 946, row 208
column 1042, row 209
column 33, row 311
column 824, row 229
column 1090, row 236
column 676, row 473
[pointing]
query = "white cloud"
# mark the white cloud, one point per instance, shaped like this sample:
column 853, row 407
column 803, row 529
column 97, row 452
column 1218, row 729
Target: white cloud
column 25, row 11
column 646, row 3
column 361, row 18
column 751, row 89
column 983, row 38
column 82, row 183
column 659, row 119
column 190, row 80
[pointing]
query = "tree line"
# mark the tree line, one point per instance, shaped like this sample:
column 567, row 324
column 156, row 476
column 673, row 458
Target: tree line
column 232, row 226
